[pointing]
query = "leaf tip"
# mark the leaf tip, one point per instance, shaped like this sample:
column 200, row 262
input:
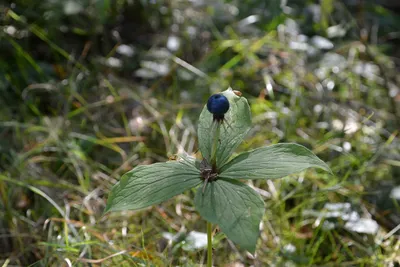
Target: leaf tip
column 251, row 249
column 108, row 208
column 322, row 165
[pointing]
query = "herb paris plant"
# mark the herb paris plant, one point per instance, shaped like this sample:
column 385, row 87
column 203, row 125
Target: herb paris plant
column 224, row 200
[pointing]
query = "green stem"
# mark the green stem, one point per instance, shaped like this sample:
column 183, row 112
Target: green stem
column 215, row 146
column 214, row 166
column 209, row 244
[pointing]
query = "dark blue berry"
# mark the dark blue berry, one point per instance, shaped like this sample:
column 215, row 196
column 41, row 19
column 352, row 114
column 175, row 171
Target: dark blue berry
column 218, row 105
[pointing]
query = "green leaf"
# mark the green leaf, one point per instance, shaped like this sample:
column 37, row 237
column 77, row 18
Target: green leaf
column 235, row 207
column 271, row 162
column 148, row 185
column 232, row 133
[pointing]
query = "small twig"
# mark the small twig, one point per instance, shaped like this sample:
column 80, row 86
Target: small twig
column 103, row 259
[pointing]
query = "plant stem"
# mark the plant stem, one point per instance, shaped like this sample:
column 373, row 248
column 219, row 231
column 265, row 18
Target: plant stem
column 215, row 146
column 209, row 244
column 214, row 166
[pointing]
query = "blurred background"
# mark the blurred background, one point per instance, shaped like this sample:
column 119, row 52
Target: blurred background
column 89, row 89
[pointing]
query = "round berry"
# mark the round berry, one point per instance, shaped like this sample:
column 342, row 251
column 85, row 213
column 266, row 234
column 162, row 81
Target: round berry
column 218, row 105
